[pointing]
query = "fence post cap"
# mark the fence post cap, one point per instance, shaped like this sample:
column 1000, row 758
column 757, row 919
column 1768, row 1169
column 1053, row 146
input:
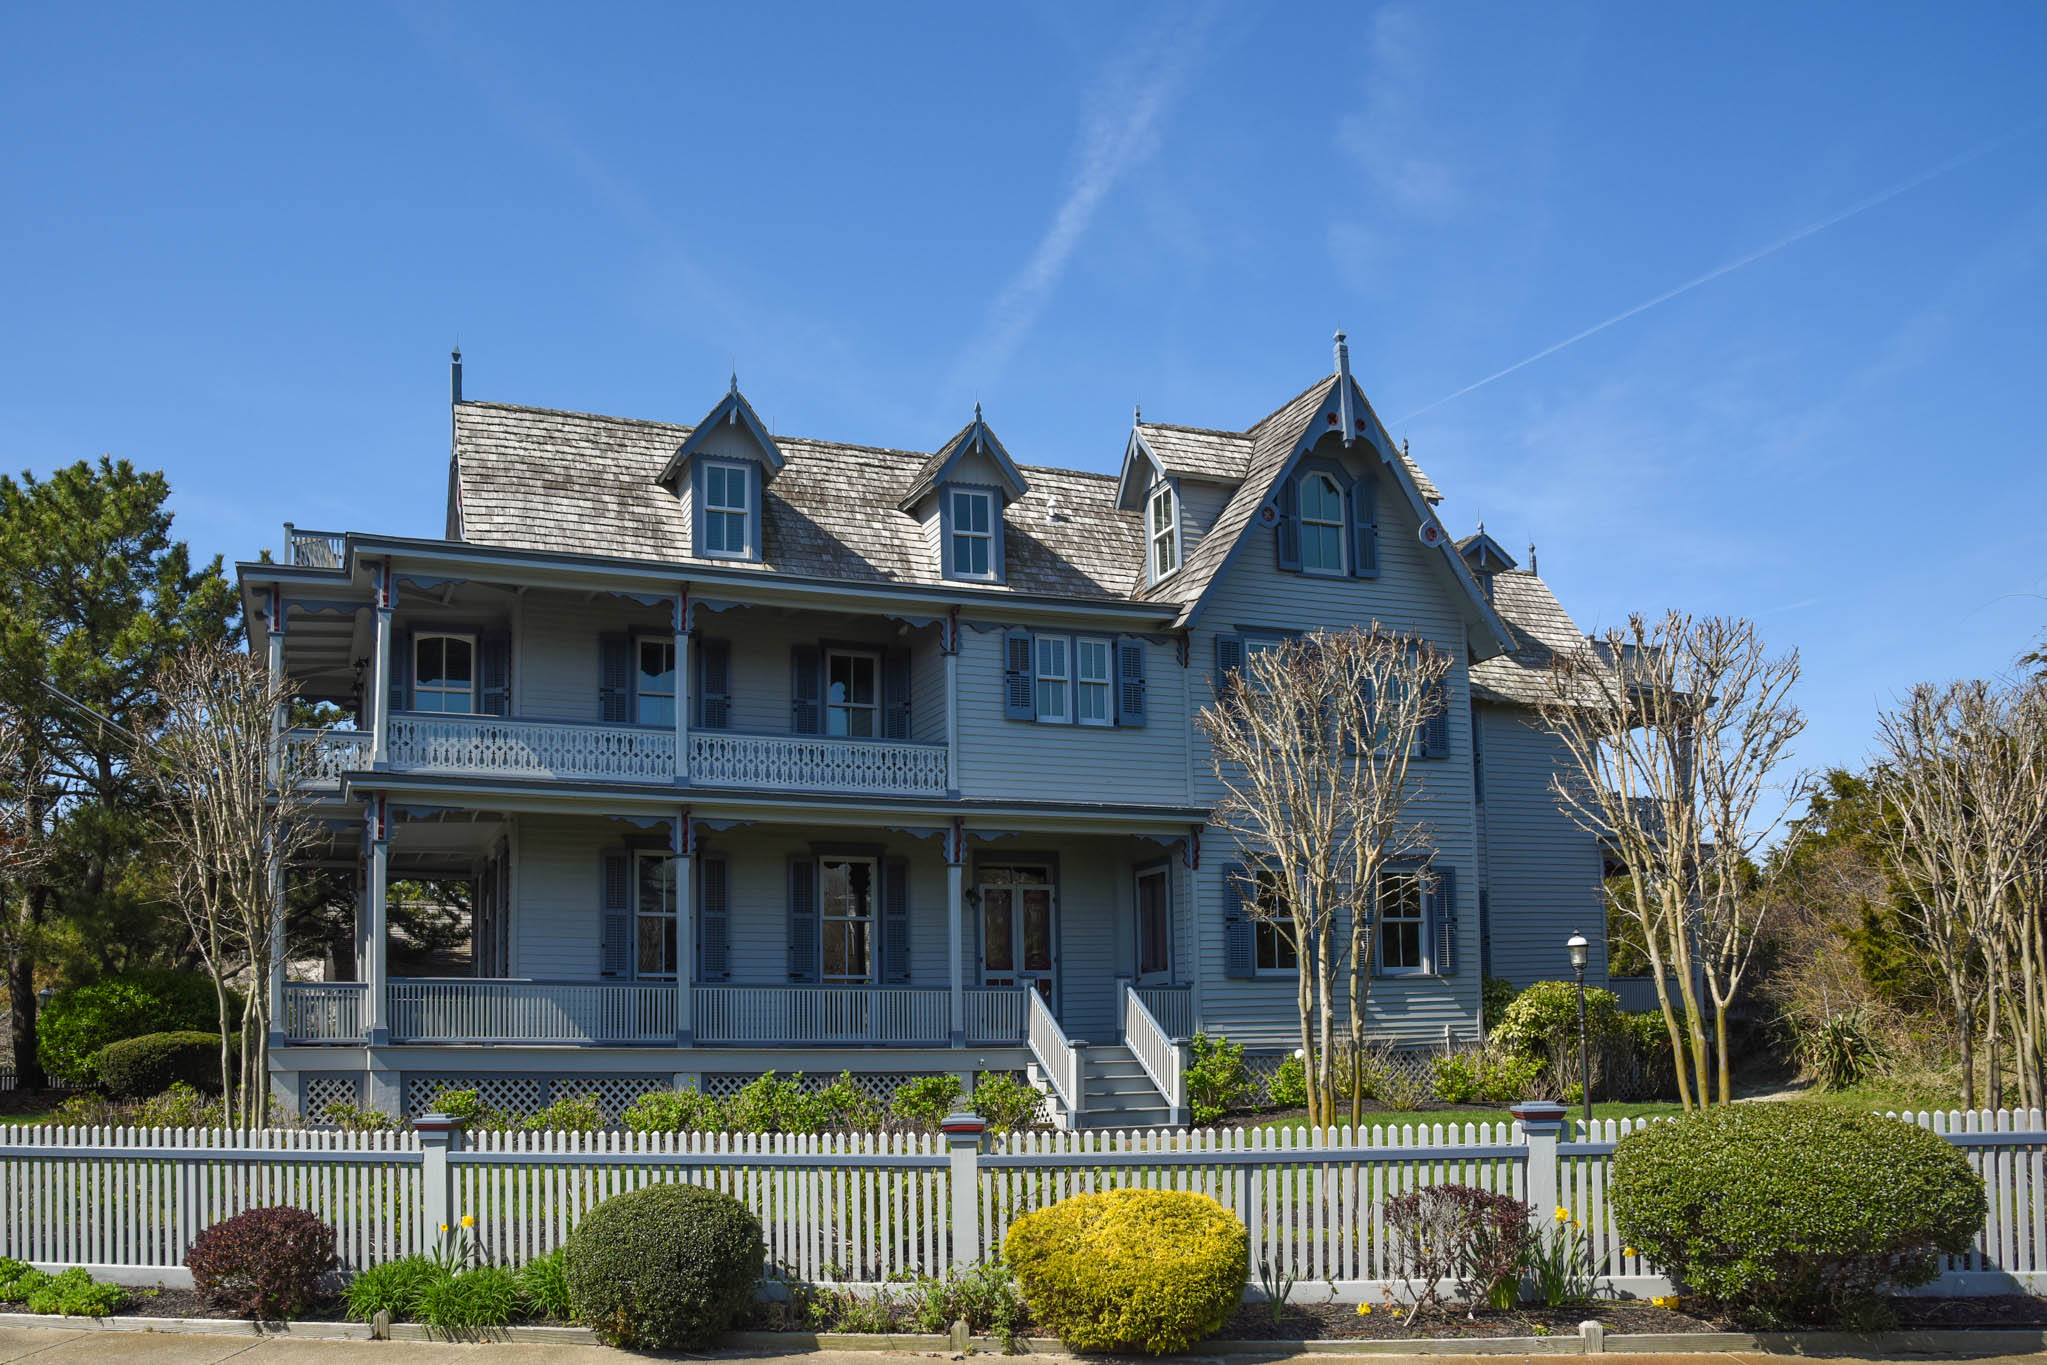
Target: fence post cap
column 963, row 1125
column 437, row 1125
column 1539, row 1111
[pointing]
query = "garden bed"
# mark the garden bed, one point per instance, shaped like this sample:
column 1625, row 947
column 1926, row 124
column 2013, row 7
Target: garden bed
column 1338, row 1321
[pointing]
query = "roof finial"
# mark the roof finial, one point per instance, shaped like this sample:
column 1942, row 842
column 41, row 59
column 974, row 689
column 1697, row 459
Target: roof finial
column 1531, row 556
column 735, row 378
column 977, row 410
column 1136, row 414
column 1481, row 525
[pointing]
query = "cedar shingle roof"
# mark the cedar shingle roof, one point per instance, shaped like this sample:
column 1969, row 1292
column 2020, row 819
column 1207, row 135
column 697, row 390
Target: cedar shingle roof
column 539, row 479
column 1541, row 629
column 1198, row 453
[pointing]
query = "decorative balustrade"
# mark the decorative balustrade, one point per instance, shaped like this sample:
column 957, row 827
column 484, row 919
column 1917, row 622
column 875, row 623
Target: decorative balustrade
column 481, row 1011
column 905, row 1016
column 812, row 762
column 320, row 757
column 497, row 746
column 323, row 1011
column 995, row 1015
column 1171, row 1006
column 1057, row 1056
column 313, row 549
column 1155, row 1050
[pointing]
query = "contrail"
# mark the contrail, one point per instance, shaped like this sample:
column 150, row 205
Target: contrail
column 1792, row 239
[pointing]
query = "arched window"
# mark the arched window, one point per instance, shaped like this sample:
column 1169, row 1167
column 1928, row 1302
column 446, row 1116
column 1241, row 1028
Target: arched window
column 1322, row 525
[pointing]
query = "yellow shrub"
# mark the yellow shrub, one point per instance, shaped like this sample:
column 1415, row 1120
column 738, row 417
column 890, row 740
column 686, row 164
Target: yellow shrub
column 1130, row 1270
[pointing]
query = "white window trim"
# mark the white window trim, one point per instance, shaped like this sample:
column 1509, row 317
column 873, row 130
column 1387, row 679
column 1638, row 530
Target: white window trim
column 1259, row 922
column 1039, row 677
column 1342, row 568
column 744, row 511
column 1420, row 921
column 872, row 921
column 640, row 856
column 1169, row 534
column 1107, row 682
column 1165, row 876
column 475, row 669
column 874, row 706
column 674, row 687
column 987, row 501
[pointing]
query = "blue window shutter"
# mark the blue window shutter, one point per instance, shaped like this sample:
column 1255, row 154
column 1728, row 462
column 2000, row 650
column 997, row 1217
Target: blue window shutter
column 895, row 694
column 615, row 679
column 755, row 494
column 714, row 920
column 1364, row 527
column 1443, row 921
column 713, row 684
column 494, row 673
column 1129, row 681
column 617, row 959
column 1436, row 730
column 806, row 707
column 401, row 670
column 1229, row 659
column 803, row 919
column 1240, row 936
column 1287, row 532
column 895, row 919
column 995, row 550
column 1018, row 701
column 696, row 507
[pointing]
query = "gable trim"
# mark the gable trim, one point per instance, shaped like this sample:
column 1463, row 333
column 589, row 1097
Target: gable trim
column 976, row 436
column 732, row 410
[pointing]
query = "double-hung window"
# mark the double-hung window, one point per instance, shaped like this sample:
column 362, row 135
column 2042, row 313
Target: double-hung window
column 444, row 673
column 1164, row 521
column 847, row 918
column 654, row 916
column 1322, row 525
column 1054, row 679
column 1402, row 941
column 1093, row 660
column 852, row 701
column 654, row 688
column 728, row 509
column 973, row 533
column 1276, row 949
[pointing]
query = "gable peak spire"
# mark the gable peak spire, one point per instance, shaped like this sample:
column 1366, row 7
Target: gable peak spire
column 1343, row 388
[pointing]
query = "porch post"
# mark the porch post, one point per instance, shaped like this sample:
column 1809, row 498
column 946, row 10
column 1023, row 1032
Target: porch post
column 952, row 705
column 684, row 845
column 380, row 673
column 955, row 920
column 683, row 699
column 376, row 1024
column 278, row 717
column 276, row 983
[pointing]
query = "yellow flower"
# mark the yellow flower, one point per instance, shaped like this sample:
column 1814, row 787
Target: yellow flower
column 444, row 1227
column 468, row 1220
column 1629, row 1251
column 1563, row 1214
column 1364, row 1310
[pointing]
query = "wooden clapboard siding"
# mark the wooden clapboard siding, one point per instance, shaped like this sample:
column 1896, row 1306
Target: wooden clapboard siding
column 1201, row 503
column 1541, row 870
column 556, row 920
column 556, row 667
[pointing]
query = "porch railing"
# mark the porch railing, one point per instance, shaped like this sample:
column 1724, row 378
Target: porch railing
column 1057, row 1057
column 1172, row 1006
column 464, row 1011
column 996, row 1014
column 902, row 1016
column 312, row 549
column 319, row 757
column 494, row 745
column 323, row 1011
column 1155, row 1050
column 808, row 762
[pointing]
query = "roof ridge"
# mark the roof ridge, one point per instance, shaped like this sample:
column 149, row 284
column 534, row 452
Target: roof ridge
column 1198, row 431
column 1253, row 429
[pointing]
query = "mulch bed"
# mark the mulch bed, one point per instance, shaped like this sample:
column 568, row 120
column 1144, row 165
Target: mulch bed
column 1329, row 1321
column 33, row 1101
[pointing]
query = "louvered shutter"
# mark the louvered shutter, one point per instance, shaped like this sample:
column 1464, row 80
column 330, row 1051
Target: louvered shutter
column 1364, row 527
column 1287, row 531
column 617, row 958
column 714, row 684
column 803, row 919
column 1129, row 682
column 615, row 679
column 895, row 920
column 1018, row 702
column 1436, row 730
column 895, row 694
column 806, row 708
column 401, row 670
column 494, row 673
column 1229, row 660
column 1240, row 935
column 714, row 922
column 1443, row 921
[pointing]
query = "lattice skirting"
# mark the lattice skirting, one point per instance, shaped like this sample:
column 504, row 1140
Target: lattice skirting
column 1415, row 1067
column 530, row 1094
column 322, row 1090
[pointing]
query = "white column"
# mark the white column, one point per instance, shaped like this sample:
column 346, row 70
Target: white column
column 683, row 700
column 276, row 1029
column 278, row 718
column 380, row 672
column 685, row 847
column 955, row 934
column 376, row 1024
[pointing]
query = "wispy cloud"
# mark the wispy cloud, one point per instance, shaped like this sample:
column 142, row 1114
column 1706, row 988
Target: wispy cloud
column 1119, row 129
column 1391, row 139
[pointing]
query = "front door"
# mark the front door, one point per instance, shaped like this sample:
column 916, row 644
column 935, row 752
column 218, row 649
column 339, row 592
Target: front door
column 1017, row 932
column 1154, row 926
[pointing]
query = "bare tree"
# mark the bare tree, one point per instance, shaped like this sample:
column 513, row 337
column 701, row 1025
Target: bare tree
column 229, row 816
column 1675, row 730
column 1312, row 742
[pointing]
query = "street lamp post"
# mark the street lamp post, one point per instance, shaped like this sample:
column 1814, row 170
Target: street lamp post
column 1581, row 953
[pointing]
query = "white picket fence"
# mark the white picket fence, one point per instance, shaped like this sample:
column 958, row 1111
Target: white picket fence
column 860, row 1208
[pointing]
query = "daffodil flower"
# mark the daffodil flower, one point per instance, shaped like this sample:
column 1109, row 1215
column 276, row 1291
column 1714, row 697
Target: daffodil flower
column 1364, row 1310
column 1563, row 1214
column 444, row 1227
column 1629, row 1251
column 468, row 1220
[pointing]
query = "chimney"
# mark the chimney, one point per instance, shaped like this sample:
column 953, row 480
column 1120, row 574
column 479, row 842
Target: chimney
column 455, row 375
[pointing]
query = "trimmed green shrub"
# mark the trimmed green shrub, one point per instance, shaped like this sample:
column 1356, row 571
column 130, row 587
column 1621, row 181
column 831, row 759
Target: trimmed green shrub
column 270, row 1263
column 925, row 1099
column 583, row 1114
column 1494, row 996
column 1792, row 1213
column 673, row 1111
column 75, row 1294
column 134, row 1068
column 17, row 1278
column 468, row 1106
column 80, row 1020
column 664, row 1268
column 1288, row 1088
column 1007, row 1104
column 1542, row 1021
column 1130, row 1270
column 1217, row 1078
column 774, row 1104
column 1483, row 1076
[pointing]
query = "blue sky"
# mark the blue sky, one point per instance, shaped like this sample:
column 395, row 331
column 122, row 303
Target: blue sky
column 237, row 243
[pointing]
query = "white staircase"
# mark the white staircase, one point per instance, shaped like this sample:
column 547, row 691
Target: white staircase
column 1137, row 1083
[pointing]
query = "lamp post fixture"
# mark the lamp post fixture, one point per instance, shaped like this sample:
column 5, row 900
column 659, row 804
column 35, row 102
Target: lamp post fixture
column 1581, row 953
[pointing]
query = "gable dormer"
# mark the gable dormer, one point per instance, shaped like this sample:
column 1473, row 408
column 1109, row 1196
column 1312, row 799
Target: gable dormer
column 958, row 498
column 1485, row 557
column 720, row 473
column 1179, row 479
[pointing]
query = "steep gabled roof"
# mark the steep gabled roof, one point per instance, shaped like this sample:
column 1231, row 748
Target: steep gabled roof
column 1540, row 628
column 1197, row 453
column 974, row 436
column 732, row 410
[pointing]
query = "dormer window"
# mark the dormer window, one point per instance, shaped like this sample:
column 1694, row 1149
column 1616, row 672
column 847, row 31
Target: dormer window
column 1322, row 525
column 728, row 510
column 972, row 533
column 1163, row 518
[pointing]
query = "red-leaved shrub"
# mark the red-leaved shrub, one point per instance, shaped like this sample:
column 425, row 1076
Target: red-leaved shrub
column 266, row 1263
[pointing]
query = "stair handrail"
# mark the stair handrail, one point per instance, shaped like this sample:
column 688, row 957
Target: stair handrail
column 1155, row 1050
column 1056, row 1054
